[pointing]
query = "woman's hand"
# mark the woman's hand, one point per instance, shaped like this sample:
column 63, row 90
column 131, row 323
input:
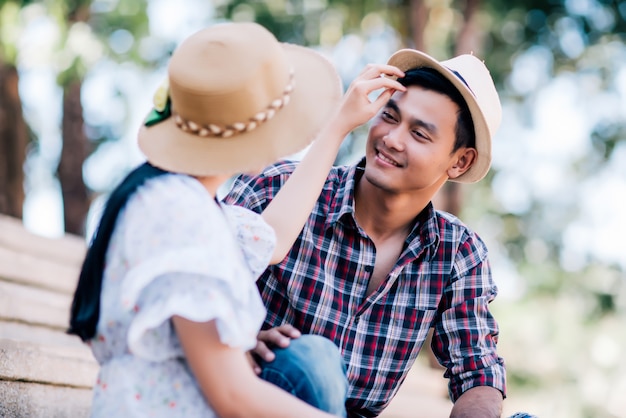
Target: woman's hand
column 356, row 108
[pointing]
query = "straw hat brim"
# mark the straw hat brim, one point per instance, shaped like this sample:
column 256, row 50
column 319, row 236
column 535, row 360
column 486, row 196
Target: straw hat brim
column 407, row 59
column 317, row 90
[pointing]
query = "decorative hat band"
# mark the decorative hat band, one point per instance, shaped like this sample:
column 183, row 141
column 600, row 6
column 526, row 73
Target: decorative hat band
column 162, row 112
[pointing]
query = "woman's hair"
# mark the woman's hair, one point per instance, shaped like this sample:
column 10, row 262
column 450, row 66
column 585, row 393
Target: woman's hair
column 85, row 310
column 431, row 79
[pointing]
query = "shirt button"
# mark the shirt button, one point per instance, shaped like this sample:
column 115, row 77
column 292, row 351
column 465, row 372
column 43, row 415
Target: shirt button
column 356, row 319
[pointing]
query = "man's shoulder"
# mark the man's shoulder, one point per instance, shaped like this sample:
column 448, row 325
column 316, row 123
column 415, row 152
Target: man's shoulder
column 452, row 227
column 282, row 170
column 449, row 219
column 288, row 166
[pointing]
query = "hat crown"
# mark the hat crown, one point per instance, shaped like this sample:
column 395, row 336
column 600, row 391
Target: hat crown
column 237, row 99
column 476, row 76
column 248, row 70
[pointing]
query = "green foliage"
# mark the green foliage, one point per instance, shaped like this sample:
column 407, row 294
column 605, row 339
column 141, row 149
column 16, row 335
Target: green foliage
column 9, row 29
column 127, row 24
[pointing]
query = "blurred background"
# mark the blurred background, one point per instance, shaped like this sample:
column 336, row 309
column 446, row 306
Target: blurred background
column 77, row 78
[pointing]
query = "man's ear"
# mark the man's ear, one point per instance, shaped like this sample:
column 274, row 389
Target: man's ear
column 465, row 157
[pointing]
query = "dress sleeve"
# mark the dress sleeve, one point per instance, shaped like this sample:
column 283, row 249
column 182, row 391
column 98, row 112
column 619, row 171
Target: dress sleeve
column 183, row 259
column 255, row 237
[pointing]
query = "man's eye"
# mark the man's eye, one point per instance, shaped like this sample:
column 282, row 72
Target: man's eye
column 387, row 116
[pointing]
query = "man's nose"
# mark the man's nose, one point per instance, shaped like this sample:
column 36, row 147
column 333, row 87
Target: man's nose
column 393, row 139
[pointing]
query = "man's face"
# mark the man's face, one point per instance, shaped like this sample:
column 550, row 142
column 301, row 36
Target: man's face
column 410, row 142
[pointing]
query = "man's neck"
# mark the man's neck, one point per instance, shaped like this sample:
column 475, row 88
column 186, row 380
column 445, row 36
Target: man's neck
column 383, row 214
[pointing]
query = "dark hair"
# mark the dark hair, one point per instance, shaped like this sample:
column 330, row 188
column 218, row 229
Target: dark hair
column 85, row 310
column 431, row 79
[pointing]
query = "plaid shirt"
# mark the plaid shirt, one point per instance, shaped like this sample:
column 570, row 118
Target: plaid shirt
column 442, row 280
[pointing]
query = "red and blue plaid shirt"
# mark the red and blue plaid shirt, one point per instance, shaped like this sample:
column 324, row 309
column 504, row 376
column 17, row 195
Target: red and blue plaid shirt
column 441, row 280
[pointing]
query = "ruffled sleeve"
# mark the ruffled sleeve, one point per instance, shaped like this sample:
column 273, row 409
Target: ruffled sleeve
column 183, row 259
column 255, row 237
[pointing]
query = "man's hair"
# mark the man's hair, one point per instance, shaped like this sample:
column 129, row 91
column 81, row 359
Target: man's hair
column 431, row 79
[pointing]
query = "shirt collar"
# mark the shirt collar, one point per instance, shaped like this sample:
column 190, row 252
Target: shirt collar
column 425, row 232
column 345, row 205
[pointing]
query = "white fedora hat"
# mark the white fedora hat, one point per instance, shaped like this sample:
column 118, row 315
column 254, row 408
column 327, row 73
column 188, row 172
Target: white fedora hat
column 472, row 79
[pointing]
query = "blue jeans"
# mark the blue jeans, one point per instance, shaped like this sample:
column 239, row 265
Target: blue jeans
column 312, row 369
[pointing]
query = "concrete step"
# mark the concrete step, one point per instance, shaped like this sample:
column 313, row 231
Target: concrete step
column 47, row 364
column 67, row 250
column 33, row 400
column 36, row 334
column 31, row 269
column 35, row 306
column 43, row 371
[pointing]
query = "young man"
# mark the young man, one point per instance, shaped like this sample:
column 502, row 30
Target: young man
column 376, row 266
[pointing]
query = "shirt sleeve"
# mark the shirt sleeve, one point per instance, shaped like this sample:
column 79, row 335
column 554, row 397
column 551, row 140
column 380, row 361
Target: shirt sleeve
column 183, row 259
column 466, row 335
column 256, row 192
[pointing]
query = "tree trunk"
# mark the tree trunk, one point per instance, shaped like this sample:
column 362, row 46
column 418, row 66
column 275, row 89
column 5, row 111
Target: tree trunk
column 13, row 141
column 73, row 155
column 469, row 38
column 450, row 197
column 418, row 17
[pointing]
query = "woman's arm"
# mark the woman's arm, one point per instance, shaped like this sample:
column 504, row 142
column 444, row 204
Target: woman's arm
column 291, row 207
column 227, row 380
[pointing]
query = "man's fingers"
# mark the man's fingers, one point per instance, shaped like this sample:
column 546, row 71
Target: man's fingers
column 274, row 337
column 255, row 366
column 289, row 331
column 263, row 351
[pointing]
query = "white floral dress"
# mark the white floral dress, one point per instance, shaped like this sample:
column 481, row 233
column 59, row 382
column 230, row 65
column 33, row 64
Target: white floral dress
column 174, row 251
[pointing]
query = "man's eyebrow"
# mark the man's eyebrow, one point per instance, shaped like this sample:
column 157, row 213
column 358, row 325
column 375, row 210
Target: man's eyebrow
column 391, row 104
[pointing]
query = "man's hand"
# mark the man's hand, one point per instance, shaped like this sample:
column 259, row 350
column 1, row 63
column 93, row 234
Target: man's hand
column 274, row 337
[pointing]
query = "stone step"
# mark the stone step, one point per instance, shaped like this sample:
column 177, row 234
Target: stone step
column 37, row 334
column 47, row 364
column 35, row 306
column 33, row 400
column 30, row 269
column 67, row 250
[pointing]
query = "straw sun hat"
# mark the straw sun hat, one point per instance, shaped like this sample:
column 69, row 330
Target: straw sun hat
column 237, row 100
column 471, row 77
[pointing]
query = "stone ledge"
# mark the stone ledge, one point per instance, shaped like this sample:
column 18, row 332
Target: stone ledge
column 68, row 249
column 32, row 400
column 25, row 268
column 53, row 365
column 37, row 334
column 36, row 306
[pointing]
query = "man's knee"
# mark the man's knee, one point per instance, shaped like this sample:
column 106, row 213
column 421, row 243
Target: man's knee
column 318, row 351
column 312, row 368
